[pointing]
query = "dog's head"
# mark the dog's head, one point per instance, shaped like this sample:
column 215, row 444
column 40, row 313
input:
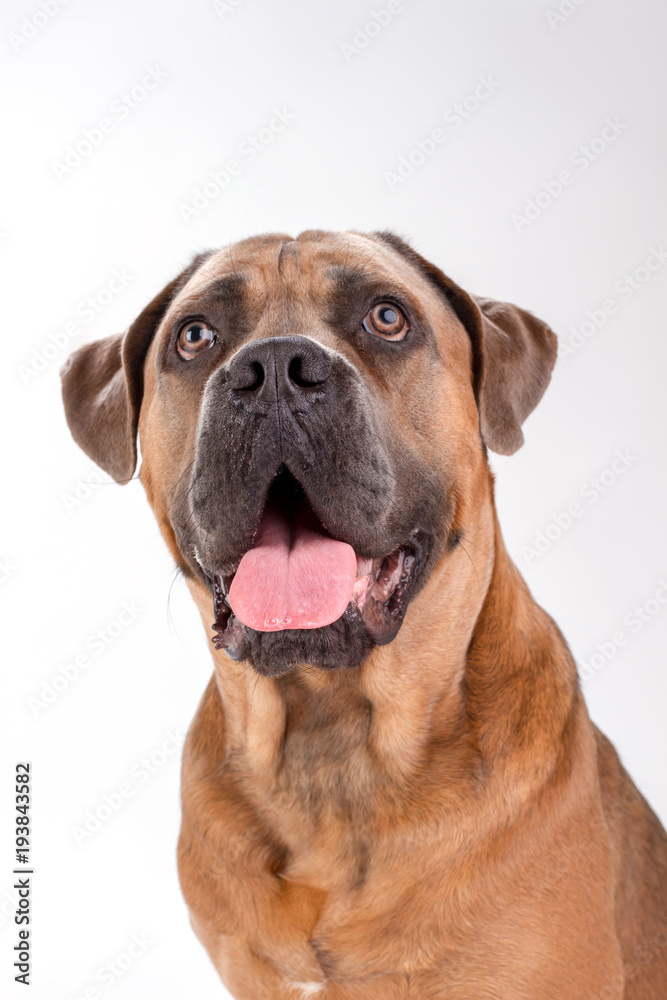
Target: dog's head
column 313, row 414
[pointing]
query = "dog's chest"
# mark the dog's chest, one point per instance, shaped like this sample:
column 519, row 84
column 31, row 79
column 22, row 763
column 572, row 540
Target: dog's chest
column 381, row 913
column 355, row 882
column 321, row 882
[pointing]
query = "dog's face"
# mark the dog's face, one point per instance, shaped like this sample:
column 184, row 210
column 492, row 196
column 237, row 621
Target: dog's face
column 313, row 415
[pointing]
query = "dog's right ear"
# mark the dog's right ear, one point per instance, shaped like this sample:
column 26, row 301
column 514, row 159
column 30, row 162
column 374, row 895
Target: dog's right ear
column 103, row 385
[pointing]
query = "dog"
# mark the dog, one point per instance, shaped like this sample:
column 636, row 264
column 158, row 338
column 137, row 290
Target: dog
column 391, row 787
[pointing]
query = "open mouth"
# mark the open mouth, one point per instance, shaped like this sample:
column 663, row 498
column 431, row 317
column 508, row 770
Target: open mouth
column 296, row 576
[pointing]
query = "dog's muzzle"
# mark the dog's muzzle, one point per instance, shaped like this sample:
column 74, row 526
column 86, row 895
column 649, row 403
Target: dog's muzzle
column 298, row 528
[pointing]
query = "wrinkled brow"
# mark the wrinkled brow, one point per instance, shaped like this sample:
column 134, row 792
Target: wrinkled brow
column 348, row 280
column 221, row 291
column 226, row 299
column 351, row 286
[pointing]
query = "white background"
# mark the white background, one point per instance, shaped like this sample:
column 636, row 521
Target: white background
column 72, row 565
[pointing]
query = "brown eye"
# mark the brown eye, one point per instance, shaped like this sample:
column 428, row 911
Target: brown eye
column 386, row 320
column 194, row 339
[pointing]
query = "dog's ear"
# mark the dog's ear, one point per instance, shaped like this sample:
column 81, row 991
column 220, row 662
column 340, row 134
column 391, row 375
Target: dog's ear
column 103, row 386
column 513, row 355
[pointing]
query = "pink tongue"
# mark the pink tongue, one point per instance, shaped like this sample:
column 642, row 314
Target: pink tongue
column 294, row 577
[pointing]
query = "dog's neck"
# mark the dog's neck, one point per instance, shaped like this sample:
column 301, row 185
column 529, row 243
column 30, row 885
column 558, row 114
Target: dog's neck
column 475, row 667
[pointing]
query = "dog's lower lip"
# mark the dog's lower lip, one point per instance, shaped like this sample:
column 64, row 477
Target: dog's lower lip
column 381, row 595
column 229, row 630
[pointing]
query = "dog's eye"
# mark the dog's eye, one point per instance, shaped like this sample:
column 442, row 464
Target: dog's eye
column 194, row 339
column 386, row 320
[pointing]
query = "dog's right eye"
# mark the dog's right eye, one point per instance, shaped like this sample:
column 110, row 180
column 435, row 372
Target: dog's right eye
column 386, row 320
column 194, row 339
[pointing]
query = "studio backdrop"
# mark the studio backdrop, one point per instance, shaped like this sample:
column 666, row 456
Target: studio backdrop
column 518, row 144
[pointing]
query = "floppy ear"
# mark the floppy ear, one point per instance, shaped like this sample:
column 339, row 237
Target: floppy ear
column 513, row 355
column 103, row 386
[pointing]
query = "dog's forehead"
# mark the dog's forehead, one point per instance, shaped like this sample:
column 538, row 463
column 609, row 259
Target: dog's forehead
column 309, row 263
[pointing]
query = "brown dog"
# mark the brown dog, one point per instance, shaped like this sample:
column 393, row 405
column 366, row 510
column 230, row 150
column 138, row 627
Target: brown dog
column 368, row 812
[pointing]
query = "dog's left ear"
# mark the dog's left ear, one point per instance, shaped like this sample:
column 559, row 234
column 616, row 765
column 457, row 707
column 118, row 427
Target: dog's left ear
column 513, row 355
column 103, row 385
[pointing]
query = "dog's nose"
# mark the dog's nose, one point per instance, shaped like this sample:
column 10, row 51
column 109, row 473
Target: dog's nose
column 282, row 367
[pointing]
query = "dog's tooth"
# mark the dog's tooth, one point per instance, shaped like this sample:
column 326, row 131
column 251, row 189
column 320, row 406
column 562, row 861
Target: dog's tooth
column 364, row 566
column 389, row 576
column 361, row 590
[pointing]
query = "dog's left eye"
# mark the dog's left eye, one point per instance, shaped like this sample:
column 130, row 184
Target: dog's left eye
column 386, row 320
column 194, row 339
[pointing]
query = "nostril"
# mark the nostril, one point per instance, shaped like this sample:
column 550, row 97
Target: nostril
column 250, row 376
column 295, row 373
column 307, row 372
column 294, row 366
